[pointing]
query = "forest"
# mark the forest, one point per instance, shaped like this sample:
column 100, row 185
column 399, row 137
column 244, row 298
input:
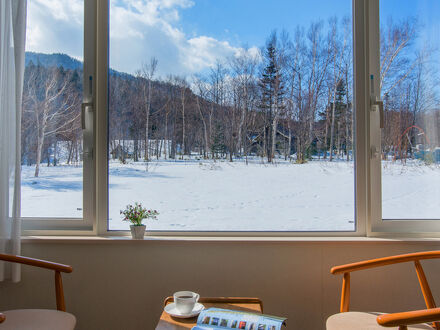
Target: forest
column 290, row 99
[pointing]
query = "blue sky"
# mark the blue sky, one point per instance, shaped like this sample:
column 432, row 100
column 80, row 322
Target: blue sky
column 189, row 36
column 427, row 13
column 250, row 22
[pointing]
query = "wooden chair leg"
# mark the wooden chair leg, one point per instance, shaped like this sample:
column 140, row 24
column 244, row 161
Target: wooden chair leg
column 59, row 292
column 426, row 290
column 345, row 295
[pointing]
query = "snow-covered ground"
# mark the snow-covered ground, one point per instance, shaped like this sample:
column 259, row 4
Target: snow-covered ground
column 57, row 192
column 205, row 195
column 411, row 191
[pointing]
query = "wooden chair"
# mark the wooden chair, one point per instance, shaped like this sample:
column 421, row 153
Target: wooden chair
column 39, row 319
column 405, row 320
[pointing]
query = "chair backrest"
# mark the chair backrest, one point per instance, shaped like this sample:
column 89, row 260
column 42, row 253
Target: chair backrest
column 411, row 257
column 58, row 268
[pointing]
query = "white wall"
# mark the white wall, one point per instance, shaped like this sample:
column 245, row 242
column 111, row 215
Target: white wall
column 121, row 284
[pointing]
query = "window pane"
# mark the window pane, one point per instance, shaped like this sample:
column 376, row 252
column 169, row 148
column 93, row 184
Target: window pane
column 409, row 86
column 52, row 172
column 222, row 122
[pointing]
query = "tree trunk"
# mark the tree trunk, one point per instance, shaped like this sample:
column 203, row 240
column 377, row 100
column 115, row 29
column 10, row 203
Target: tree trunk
column 165, row 149
column 135, row 151
column 241, row 125
column 157, row 146
column 173, row 142
column 338, row 140
column 70, row 149
column 205, row 129
column 48, row 155
column 327, row 119
column 264, row 142
column 332, row 129
column 274, row 136
column 159, row 154
column 183, row 128
column 210, row 130
column 40, row 141
column 147, row 141
column 55, row 149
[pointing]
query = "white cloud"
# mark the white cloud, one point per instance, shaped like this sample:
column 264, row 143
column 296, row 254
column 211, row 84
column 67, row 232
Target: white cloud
column 55, row 26
column 201, row 52
column 139, row 29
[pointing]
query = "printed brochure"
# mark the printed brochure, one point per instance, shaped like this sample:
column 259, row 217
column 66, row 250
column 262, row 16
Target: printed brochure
column 217, row 318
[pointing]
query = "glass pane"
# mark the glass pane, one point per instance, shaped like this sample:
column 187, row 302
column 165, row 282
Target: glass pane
column 52, row 171
column 225, row 118
column 409, row 86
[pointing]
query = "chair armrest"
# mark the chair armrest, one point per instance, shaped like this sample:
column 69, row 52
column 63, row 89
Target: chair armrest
column 58, row 268
column 408, row 318
column 384, row 261
column 36, row 262
column 2, row 318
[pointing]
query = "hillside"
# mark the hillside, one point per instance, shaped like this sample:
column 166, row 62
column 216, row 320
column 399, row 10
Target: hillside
column 63, row 60
column 48, row 60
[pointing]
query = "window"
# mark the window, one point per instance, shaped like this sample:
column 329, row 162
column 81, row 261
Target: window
column 409, row 154
column 222, row 123
column 57, row 136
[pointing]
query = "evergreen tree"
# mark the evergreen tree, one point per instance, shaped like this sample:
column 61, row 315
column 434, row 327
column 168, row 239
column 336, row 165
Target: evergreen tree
column 272, row 94
column 340, row 119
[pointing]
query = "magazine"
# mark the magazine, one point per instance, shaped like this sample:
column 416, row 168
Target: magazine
column 217, row 318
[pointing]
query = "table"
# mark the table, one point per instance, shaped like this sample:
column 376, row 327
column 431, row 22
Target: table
column 167, row 322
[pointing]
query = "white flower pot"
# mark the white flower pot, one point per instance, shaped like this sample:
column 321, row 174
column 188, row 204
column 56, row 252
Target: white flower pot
column 137, row 232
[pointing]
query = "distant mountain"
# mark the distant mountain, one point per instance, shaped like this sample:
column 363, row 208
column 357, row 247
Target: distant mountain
column 48, row 60
column 64, row 60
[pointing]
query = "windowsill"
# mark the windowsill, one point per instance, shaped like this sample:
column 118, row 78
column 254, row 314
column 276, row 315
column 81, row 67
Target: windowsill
column 149, row 239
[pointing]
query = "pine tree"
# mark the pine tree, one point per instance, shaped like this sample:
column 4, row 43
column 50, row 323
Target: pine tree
column 272, row 94
column 339, row 121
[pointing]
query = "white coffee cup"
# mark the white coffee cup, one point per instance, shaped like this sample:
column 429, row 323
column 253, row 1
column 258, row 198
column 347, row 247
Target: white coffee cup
column 185, row 301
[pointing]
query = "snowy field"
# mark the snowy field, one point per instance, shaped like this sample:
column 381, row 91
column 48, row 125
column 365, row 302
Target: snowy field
column 206, row 195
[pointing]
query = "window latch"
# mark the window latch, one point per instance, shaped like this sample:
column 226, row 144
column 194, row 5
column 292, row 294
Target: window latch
column 88, row 153
column 84, row 105
column 377, row 104
column 374, row 153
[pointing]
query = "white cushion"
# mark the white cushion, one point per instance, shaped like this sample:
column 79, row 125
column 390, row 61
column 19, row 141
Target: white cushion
column 361, row 321
column 37, row 319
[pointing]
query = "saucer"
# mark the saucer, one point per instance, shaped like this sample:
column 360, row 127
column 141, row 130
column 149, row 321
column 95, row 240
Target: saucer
column 172, row 310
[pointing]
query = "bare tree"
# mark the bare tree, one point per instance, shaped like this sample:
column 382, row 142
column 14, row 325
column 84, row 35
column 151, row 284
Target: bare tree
column 395, row 44
column 243, row 68
column 54, row 102
column 147, row 72
column 337, row 50
column 202, row 91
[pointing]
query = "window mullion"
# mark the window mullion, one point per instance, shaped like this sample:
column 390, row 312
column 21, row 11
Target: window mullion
column 101, row 116
column 360, row 36
column 88, row 113
column 373, row 88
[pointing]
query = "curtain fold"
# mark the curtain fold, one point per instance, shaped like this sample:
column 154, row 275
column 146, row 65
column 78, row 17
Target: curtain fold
column 12, row 51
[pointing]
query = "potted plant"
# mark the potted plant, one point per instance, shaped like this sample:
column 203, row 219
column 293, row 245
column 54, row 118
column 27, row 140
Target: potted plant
column 136, row 214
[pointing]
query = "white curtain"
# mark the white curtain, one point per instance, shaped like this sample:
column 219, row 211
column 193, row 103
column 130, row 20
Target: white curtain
column 12, row 42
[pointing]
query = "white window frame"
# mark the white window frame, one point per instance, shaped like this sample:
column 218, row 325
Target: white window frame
column 360, row 186
column 86, row 224
column 379, row 226
column 367, row 181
